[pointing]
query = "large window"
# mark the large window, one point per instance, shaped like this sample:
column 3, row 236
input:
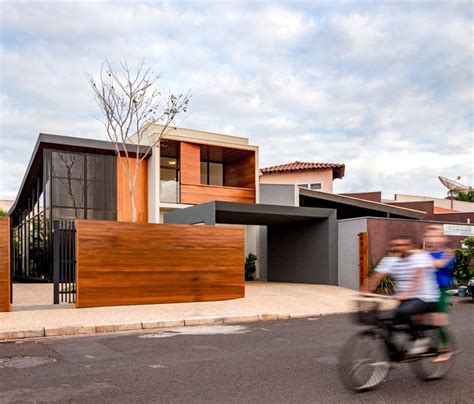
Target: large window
column 83, row 186
column 169, row 179
column 212, row 173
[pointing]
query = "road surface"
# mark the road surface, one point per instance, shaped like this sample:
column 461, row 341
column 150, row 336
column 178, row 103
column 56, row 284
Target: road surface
column 265, row 362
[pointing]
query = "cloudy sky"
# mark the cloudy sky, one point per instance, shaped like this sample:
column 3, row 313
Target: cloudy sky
column 386, row 87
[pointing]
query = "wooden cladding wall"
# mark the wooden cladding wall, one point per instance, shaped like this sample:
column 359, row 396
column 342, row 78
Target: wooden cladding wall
column 190, row 163
column 4, row 264
column 239, row 168
column 124, row 206
column 137, row 263
column 196, row 194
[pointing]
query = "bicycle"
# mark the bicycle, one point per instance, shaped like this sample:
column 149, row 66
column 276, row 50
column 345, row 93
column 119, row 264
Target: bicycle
column 366, row 358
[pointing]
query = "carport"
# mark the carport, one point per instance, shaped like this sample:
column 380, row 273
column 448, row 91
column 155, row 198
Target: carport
column 301, row 243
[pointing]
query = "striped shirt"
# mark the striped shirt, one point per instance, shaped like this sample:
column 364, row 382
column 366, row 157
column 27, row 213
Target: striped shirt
column 403, row 270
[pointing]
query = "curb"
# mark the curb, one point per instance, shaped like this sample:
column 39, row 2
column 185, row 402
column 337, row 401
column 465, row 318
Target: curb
column 148, row 325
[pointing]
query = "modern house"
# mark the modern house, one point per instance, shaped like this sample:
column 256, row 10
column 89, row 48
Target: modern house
column 71, row 178
column 318, row 176
column 192, row 167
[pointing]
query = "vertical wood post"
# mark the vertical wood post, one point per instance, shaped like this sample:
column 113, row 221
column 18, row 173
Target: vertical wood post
column 363, row 258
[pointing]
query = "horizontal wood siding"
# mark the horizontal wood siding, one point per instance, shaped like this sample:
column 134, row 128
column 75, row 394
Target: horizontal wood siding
column 190, row 163
column 4, row 264
column 124, row 206
column 196, row 194
column 137, row 263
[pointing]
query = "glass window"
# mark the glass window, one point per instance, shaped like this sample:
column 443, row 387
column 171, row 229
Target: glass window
column 315, row 186
column 204, row 177
column 303, row 185
column 216, row 174
column 212, row 173
column 169, row 185
column 169, row 162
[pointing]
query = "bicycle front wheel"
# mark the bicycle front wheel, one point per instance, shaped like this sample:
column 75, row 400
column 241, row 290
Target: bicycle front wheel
column 363, row 362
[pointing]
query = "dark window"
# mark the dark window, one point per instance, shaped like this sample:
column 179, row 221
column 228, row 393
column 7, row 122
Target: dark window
column 212, row 173
column 303, row 185
column 83, row 186
column 315, row 186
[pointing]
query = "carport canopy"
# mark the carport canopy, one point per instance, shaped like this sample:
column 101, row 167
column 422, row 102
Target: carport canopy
column 212, row 213
column 299, row 244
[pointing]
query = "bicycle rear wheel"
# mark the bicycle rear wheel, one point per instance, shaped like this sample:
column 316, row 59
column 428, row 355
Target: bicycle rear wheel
column 426, row 369
column 363, row 362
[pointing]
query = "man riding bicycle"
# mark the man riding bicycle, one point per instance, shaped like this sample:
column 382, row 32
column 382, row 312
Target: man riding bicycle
column 416, row 286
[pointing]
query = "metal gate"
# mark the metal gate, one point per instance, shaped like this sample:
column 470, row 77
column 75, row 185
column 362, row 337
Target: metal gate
column 64, row 261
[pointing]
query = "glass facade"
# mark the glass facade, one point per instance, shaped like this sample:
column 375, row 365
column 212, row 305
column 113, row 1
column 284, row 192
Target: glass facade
column 71, row 185
column 169, row 173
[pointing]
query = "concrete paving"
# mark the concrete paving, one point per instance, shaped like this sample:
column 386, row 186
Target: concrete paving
column 263, row 301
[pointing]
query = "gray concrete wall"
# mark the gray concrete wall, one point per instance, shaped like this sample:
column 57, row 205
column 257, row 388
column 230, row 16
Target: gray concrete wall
column 303, row 252
column 286, row 195
column 348, row 251
column 272, row 194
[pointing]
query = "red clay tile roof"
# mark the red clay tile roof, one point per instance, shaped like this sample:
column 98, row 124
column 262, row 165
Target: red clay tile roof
column 337, row 169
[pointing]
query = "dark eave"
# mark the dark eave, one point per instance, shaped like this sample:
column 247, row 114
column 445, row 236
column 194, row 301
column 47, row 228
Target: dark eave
column 330, row 200
column 58, row 142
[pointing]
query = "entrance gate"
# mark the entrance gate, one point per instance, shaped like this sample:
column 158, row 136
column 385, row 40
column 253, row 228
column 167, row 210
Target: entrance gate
column 64, row 261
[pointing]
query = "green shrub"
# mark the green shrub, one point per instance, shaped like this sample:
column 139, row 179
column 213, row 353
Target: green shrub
column 463, row 271
column 2, row 213
column 250, row 267
column 387, row 286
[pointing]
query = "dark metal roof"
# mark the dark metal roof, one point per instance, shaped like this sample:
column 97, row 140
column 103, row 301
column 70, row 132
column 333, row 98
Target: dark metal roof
column 354, row 207
column 60, row 142
column 244, row 213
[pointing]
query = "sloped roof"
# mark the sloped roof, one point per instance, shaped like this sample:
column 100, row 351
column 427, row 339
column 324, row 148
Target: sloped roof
column 439, row 209
column 338, row 168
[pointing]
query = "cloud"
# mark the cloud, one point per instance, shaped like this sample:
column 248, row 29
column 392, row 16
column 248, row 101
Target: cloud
column 386, row 88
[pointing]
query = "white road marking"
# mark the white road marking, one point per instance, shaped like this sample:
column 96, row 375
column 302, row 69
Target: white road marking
column 198, row 330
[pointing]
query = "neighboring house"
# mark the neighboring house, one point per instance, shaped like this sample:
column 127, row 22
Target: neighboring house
column 317, row 176
column 5, row 204
column 435, row 209
column 441, row 205
column 75, row 178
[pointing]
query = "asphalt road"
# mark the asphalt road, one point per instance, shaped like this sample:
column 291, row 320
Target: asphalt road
column 284, row 361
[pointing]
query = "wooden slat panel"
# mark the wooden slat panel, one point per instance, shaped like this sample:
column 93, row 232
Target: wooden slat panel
column 124, row 207
column 4, row 264
column 196, row 194
column 239, row 168
column 363, row 258
column 136, row 263
column 190, row 163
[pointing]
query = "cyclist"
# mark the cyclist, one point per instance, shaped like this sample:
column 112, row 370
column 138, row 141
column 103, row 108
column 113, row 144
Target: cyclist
column 416, row 286
column 444, row 260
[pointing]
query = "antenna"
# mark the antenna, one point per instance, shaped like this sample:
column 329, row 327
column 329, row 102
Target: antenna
column 454, row 187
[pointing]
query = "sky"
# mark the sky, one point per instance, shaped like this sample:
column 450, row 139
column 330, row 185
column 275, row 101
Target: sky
column 386, row 87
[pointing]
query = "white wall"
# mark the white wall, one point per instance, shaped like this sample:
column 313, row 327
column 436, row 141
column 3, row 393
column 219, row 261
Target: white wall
column 154, row 186
column 348, row 251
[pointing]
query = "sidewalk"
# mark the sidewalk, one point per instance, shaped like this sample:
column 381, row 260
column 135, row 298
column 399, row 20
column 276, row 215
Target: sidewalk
column 263, row 301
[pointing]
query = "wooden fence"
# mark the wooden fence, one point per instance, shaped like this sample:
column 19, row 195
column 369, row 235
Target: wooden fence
column 142, row 263
column 4, row 264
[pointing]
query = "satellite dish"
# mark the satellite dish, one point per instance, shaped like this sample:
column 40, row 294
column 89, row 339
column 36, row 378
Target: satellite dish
column 454, row 187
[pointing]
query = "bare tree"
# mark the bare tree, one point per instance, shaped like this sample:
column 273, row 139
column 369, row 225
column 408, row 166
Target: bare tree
column 130, row 102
